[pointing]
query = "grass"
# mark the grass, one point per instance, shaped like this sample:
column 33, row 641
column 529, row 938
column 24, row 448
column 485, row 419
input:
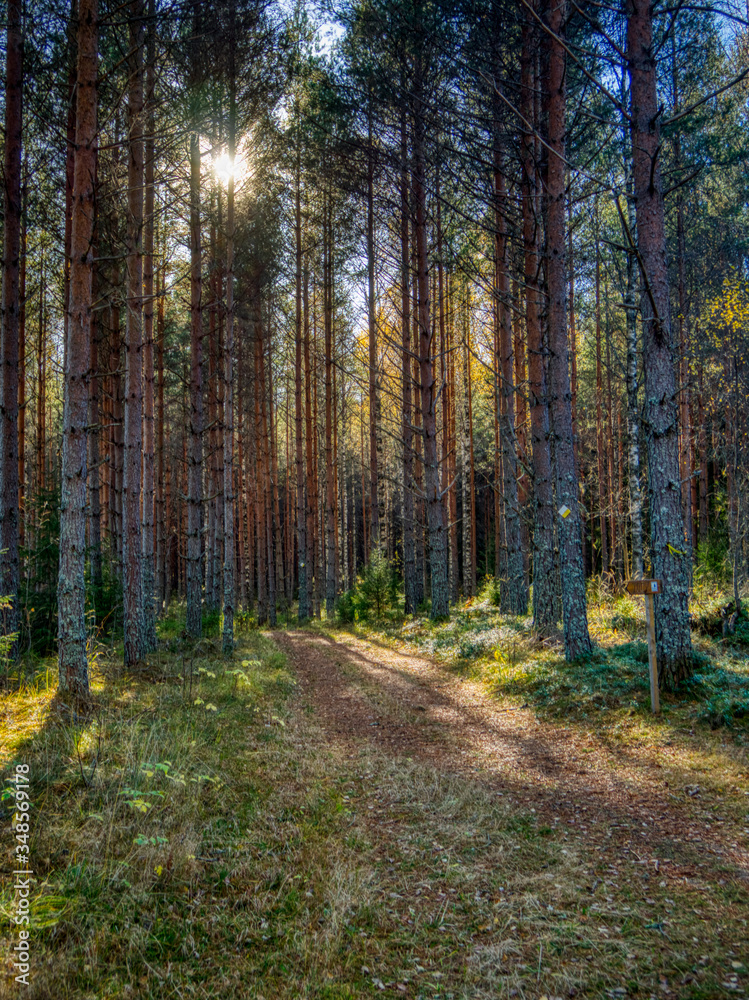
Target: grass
column 198, row 836
column 515, row 663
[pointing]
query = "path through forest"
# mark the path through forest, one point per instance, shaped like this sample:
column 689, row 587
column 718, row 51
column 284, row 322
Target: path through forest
column 615, row 797
column 642, row 817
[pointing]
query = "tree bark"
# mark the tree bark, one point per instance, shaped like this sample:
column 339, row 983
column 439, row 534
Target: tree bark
column 521, row 425
column 71, row 594
column 633, row 405
column 574, row 612
column 513, row 590
column 440, row 603
column 10, row 330
column 94, row 420
column 69, row 167
column 273, row 470
column 409, row 543
column 132, row 586
column 311, row 492
column 330, row 512
column 600, row 445
column 266, row 430
column 195, row 461
column 667, row 543
column 301, row 515
column 374, row 484
column 148, row 504
column 544, row 590
column 161, row 486
column 418, row 438
column 469, row 507
column 228, row 519
column 22, row 364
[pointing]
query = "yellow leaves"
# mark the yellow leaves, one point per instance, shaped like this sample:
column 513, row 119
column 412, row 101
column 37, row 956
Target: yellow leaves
column 138, row 804
column 730, row 311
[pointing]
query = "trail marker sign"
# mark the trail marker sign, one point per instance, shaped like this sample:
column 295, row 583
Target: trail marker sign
column 644, row 586
column 647, row 588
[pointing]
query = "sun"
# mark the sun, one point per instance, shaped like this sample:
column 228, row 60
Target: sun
column 224, row 167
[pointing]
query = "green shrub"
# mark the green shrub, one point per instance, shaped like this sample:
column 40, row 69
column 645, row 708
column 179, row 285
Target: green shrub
column 375, row 592
column 492, row 592
column 346, row 608
column 378, row 587
column 712, row 564
column 211, row 622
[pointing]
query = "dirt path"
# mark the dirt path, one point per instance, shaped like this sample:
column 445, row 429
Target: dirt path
column 616, row 798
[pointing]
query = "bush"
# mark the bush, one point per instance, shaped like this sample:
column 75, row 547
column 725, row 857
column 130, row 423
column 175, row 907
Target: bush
column 712, row 565
column 378, row 587
column 346, row 607
column 375, row 593
column 492, row 591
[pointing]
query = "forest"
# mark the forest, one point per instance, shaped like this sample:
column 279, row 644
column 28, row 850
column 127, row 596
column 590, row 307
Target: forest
column 352, row 350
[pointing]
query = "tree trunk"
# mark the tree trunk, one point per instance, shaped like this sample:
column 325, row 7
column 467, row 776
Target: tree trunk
column 41, row 379
column 702, row 444
column 161, row 486
column 469, row 507
column 521, row 425
column 259, row 485
column 374, row 484
column 94, row 420
column 69, row 169
column 22, row 365
column 9, row 333
column 71, row 595
column 117, row 428
column 301, row 516
column 273, row 472
column 132, row 585
column 451, row 458
column 544, row 576
column 600, row 446
column 667, row 544
column 195, row 474
column 330, row 513
column 440, row 603
column 633, row 406
column 513, row 590
column 148, row 506
column 229, row 548
column 311, row 504
column 418, row 438
column 265, row 449
column 612, row 498
column 576, row 638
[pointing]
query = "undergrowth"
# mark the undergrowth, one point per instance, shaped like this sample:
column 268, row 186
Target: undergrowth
column 518, row 663
column 197, row 836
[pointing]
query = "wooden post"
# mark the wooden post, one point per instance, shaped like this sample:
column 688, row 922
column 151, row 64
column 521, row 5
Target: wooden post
column 648, row 588
column 655, row 705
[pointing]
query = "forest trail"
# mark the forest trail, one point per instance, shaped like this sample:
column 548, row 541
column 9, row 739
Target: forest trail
column 627, row 800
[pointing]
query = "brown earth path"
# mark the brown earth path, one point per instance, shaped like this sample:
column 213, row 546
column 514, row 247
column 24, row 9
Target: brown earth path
column 618, row 799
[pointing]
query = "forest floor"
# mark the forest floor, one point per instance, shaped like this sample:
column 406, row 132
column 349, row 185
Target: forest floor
column 336, row 815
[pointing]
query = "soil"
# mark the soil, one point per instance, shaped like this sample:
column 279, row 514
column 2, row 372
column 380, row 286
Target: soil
column 617, row 797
